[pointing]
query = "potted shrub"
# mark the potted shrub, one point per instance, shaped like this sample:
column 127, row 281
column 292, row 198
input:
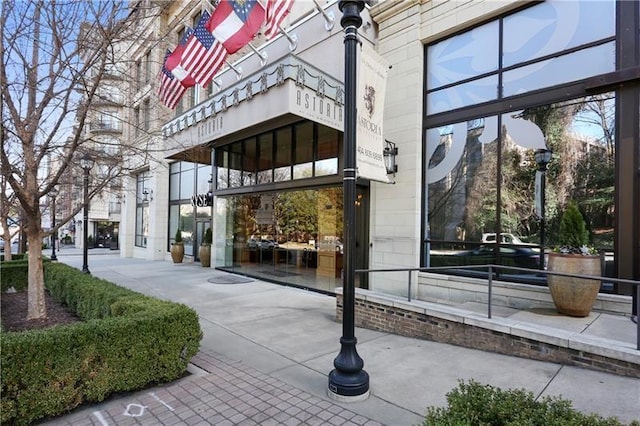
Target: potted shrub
column 574, row 296
column 205, row 249
column 177, row 248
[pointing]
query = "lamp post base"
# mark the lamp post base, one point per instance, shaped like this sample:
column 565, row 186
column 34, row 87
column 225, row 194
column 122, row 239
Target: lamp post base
column 348, row 387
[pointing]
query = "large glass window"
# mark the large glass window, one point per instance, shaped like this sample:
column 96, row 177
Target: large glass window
column 301, row 151
column 290, row 236
column 481, row 185
column 282, row 166
column 187, row 180
column 142, row 210
column 550, row 43
column 303, row 161
column 482, row 196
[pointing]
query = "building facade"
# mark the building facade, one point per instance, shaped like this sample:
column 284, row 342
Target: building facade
column 475, row 89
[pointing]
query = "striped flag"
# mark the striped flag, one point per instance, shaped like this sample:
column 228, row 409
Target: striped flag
column 203, row 54
column 276, row 11
column 234, row 23
column 174, row 61
column 171, row 88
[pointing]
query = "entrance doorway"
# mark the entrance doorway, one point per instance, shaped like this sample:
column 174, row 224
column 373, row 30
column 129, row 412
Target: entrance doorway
column 293, row 237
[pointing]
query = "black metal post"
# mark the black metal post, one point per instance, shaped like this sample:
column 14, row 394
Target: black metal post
column 53, row 226
column 542, row 158
column 543, row 179
column 85, row 224
column 348, row 381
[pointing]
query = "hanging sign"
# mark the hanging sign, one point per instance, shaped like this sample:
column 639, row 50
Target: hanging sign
column 372, row 82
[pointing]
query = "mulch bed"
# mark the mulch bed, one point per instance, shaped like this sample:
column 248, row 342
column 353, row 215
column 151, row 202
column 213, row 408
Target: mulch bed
column 13, row 313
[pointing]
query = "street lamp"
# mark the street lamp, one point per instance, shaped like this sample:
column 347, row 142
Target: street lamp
column 53, row 194
column 86, row 162
column 542, row 157
column 348, row 381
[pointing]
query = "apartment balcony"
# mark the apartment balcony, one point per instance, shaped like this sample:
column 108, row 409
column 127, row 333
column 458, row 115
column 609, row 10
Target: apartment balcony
column 108, row 99
column 105, row 127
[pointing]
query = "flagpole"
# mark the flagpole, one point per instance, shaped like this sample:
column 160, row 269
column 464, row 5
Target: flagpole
column 328, row 17
column 263, row 55
column 237, row 70
column 293, row 39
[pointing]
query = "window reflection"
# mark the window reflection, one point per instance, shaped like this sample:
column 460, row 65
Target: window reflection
column 547, row 44
column 469, row 166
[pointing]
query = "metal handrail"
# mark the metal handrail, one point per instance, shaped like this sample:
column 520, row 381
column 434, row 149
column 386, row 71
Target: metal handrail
column 490, row 270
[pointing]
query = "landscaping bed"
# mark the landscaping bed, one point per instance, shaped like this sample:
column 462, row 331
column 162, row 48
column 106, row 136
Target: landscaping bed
column 123, row 341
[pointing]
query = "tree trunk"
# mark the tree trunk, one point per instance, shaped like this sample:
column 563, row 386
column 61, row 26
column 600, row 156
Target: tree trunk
column 37, row 308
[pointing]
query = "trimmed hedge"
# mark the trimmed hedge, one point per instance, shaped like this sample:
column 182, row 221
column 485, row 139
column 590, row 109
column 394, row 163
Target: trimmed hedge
column 14, row 273
column 473, row 404
column 127, row 341
column 14, row 256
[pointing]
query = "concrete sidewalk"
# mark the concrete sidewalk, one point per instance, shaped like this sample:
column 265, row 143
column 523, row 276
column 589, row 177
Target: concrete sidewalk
column 267, row 350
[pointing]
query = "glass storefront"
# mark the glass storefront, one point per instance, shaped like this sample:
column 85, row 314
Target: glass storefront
column 480, row 169
column 187, row 181
column 294, row 236
column 278, row 212
column 481, row 185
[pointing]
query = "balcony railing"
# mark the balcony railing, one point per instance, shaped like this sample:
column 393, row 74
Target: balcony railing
column 105, row 126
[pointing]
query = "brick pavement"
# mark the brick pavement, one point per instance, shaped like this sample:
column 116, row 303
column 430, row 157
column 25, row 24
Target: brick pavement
column 227, row 393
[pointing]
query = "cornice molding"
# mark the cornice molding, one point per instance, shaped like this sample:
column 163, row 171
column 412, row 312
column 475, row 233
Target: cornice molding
column 388, row 9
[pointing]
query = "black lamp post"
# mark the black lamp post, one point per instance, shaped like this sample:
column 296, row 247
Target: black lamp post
column 53, row 193
column 542, row 157
column 348, row 381
column 86, row 162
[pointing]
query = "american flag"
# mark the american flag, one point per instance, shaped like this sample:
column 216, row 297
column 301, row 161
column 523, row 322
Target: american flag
column 203, row 54
column 171, row 89
column 277, row 10
column 235, row 22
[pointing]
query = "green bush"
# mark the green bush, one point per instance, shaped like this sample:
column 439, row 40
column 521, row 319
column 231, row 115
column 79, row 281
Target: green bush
column 473, row 404
column 15, row 273
column 208, row 236
column 573, row 228
column 127, row 341
column 14, row 256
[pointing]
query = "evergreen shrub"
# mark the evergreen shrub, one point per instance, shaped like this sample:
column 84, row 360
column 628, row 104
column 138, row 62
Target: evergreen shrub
column 126, row 341
column 474, row 404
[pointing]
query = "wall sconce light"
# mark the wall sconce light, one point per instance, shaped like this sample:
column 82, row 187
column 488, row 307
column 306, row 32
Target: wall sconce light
column 390, row 152
column 148, row 195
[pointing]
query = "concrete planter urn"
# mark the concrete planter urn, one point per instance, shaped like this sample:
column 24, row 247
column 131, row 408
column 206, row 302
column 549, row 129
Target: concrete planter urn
column 177, row 248
column 205, row 255
column 574, row 296
column 177, row 252
column 205, row 249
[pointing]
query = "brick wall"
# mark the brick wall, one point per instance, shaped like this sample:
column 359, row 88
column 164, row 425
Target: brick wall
column 380, row 317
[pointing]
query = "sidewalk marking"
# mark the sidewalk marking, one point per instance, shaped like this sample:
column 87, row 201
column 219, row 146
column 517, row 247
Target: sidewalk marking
column 101, row 419
column 140, row 408
column 161, row 401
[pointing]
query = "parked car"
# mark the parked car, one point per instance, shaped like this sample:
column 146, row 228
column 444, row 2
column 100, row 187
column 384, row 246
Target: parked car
column 523, row 257
column 263, row 243
column 505, row 238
